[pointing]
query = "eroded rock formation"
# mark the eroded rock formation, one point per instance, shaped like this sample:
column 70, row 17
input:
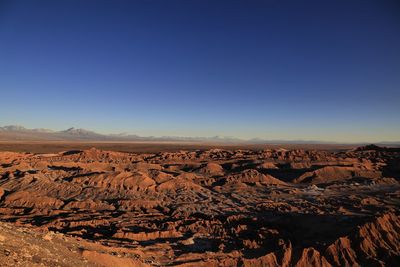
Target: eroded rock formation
column 214, row 207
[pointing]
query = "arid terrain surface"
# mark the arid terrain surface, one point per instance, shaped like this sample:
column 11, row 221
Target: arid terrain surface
column 230, row 206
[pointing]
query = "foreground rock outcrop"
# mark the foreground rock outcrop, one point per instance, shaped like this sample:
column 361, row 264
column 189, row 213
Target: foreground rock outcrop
column 205, row 207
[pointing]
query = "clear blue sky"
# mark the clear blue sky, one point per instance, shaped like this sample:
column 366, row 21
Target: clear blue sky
column 314, row 70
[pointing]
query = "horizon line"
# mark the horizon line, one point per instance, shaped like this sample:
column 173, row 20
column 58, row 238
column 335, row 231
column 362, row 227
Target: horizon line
column 227, row 139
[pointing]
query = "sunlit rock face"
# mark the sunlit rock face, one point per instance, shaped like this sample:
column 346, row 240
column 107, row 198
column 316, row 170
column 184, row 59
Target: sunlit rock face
column 213, row 207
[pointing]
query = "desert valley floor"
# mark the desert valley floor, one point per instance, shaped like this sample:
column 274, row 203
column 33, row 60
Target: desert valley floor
column 201, row 207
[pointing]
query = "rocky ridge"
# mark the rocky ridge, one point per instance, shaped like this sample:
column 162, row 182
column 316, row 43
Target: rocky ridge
column 213, row 207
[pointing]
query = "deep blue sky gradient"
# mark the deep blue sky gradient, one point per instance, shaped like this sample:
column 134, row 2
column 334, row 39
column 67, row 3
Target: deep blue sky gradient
column 314, row 70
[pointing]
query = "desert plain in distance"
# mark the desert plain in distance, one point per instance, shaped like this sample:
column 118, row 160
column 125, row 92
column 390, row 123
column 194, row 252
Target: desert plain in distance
column 154, row 146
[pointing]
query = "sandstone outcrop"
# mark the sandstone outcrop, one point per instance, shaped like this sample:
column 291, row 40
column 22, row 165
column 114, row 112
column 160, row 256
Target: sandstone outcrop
column 211, row 207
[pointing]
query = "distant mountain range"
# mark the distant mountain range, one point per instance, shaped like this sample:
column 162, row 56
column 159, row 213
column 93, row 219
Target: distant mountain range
column 16, row 132
column 20, row 133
